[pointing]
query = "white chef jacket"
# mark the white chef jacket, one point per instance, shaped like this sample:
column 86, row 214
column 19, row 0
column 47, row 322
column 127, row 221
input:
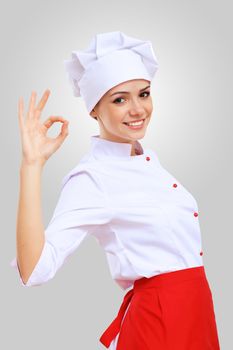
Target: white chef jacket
column 145, row 220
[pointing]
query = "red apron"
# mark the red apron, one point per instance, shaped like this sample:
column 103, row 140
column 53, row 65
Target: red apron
column 170, row 311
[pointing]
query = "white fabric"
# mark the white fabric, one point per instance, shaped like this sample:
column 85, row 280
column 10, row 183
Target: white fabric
column 110, row 59
column 128, row 203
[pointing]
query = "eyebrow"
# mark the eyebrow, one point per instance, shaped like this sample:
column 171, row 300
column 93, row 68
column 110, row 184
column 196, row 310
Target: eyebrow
column 127, row 92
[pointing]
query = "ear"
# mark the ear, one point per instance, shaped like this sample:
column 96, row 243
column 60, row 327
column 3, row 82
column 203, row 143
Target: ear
column 93, row 114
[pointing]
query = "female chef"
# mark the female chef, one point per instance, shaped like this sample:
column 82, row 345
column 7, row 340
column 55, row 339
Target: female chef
column 143, row 217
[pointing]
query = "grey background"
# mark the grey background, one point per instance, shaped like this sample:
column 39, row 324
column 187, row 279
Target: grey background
column 191, row 130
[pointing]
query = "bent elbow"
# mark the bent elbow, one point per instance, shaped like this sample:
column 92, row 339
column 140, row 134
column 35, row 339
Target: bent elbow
column 43, row 271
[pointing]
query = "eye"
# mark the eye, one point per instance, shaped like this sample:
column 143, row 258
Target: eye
column 119, row 98
column 146, row 92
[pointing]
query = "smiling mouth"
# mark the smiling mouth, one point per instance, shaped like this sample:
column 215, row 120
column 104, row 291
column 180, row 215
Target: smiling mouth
column 136, row 122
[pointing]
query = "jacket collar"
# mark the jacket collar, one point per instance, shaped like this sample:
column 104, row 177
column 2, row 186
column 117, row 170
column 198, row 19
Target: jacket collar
column 103, row 147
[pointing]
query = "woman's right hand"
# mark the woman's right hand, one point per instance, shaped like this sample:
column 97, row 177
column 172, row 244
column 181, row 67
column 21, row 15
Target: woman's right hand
column 36, row 146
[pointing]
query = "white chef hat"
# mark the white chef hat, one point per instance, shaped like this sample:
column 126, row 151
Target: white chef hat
column 110, row 59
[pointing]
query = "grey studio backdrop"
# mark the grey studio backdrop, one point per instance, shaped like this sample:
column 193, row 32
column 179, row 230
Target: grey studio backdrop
column 191, row 130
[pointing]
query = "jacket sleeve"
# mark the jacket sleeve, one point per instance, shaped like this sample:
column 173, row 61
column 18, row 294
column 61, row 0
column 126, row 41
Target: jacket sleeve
column 80, row 208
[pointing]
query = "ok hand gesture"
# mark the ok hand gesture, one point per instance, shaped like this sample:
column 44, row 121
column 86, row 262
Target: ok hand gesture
column 37, row 147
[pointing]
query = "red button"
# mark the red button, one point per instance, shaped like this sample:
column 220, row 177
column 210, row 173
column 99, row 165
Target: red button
column 174, row 185
column 201, row 253
column 195, row 214
column 147, row 158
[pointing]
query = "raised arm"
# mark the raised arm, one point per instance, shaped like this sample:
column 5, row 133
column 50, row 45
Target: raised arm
column 36, row 150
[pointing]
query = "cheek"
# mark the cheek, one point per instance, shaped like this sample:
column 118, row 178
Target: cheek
column 149, row 106
column 116, row 115
column 112, row 117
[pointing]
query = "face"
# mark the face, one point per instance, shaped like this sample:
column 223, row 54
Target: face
column 127, row 102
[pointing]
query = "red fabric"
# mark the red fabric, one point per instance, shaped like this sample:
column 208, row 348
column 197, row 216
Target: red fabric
column 170, row 311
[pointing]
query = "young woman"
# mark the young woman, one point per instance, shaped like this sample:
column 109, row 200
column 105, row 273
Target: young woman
column 142, row 216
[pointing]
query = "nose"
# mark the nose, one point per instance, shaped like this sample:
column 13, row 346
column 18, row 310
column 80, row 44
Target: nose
column 136, row 108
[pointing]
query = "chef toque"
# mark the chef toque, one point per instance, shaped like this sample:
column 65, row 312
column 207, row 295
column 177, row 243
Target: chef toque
column 110, row 59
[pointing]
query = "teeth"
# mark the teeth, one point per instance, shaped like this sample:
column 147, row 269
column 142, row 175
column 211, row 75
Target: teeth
column 136, row 123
